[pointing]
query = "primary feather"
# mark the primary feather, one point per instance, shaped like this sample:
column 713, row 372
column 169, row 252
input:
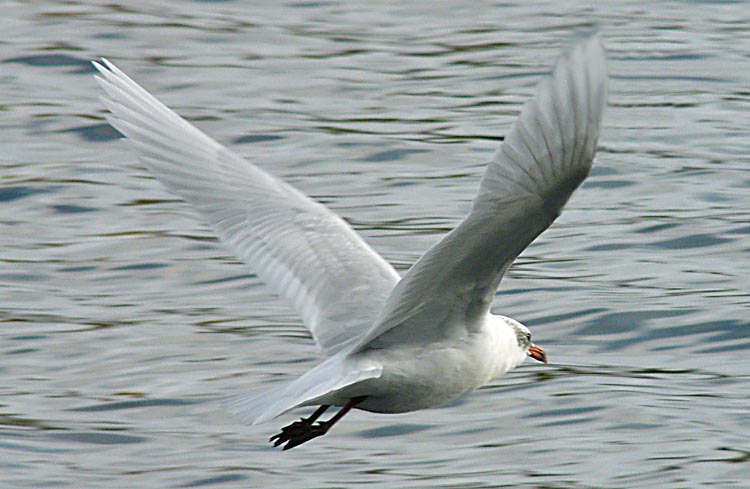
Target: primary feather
column 302, row 250
column 545, row 156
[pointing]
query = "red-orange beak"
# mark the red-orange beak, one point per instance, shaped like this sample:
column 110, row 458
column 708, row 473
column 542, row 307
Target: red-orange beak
column 537, row 353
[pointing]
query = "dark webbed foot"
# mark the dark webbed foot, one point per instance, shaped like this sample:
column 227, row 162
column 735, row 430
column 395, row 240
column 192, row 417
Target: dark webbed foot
column 306, row 429
column 299, row 432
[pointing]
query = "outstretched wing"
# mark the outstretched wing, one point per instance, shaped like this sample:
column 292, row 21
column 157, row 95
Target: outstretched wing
column 543, row 159
column 303, row 251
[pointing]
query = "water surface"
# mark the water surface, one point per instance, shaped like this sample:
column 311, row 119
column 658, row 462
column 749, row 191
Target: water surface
column 123, row 319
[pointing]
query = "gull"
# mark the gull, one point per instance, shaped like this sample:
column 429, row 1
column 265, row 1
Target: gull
column 392, row 344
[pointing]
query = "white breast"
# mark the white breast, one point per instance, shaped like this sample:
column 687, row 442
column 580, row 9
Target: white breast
column 427, row 376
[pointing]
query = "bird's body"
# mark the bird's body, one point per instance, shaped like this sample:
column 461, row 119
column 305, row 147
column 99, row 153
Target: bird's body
column 394, row 344
column 414, row 377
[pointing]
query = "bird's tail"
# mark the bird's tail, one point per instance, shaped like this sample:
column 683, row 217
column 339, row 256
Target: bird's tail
column 324, row 380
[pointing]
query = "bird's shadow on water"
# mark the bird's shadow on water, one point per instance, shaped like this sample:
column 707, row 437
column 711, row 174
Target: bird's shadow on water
column 562, row 370
column 526, row 379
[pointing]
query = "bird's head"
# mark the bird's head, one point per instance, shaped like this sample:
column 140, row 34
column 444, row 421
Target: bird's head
column 523, row 336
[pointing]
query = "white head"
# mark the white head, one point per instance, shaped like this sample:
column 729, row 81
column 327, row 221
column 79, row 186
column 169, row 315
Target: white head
column 523, row 337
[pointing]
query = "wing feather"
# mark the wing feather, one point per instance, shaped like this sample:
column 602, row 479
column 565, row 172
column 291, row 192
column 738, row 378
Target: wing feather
column 303, row 251
column 543, row 159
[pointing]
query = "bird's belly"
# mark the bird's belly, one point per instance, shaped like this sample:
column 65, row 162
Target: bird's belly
column 422, row 380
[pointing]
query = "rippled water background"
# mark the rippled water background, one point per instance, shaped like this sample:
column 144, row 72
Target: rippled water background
column 122, row 319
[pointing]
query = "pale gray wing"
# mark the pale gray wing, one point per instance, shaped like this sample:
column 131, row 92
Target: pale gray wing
column 543, row 159
column 303, row 251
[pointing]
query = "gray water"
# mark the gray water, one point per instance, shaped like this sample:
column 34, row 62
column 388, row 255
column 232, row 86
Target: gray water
column 123, row 320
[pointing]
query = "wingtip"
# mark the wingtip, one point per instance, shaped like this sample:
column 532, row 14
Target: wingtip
column 585, row 35
column 98, row 65
column 585, row 57
column 105, row 66
column 587, row 42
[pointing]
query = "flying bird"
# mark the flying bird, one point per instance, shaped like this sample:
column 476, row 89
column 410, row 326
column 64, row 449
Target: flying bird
column 393, row 344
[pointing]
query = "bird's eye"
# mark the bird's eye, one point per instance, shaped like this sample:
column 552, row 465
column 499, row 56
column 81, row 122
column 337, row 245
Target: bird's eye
column 528, row 337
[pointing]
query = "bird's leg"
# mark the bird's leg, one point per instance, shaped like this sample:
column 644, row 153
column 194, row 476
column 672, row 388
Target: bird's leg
column 306, row 429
